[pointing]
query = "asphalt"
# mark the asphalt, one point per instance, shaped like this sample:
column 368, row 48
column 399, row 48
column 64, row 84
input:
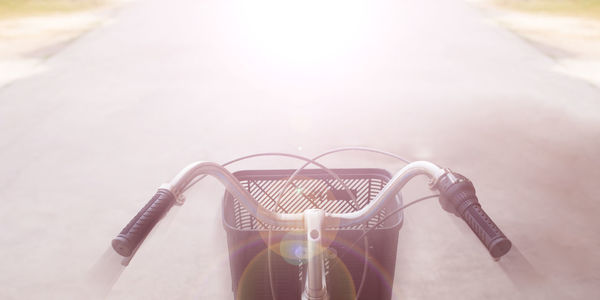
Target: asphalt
column 86, row 142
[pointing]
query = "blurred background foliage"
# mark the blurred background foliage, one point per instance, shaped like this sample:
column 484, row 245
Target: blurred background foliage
column 17, row 8
column 586, row 8
column 583, row 8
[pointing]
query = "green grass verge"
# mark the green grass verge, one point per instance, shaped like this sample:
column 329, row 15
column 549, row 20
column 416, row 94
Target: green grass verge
column 19, row 8
column 581, row 8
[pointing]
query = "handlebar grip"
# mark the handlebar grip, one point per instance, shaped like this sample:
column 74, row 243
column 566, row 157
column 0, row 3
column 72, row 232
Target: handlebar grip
column 486, row 230
column 458, row 197
column 138, row 228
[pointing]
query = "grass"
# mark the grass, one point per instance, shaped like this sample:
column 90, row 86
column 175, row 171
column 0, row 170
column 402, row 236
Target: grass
column 20, row 8
column 580, row 8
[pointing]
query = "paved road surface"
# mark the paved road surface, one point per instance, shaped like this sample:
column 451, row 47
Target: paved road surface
column 122, row 109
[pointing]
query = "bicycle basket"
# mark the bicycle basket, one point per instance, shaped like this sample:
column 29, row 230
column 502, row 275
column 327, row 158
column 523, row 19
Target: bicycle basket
column 247, row 236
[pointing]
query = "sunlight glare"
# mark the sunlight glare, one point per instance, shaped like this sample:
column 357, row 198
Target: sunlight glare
column 303, row 31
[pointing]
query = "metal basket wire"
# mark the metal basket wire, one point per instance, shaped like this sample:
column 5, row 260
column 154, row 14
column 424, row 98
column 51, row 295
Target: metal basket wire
column 311, row 189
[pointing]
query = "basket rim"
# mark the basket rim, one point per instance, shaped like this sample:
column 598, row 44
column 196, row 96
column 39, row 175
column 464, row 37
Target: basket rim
column 278, row 174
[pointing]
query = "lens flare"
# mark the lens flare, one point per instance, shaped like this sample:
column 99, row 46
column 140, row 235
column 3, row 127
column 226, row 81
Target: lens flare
column 289, row 250
column 292, row 247
column 253, row 279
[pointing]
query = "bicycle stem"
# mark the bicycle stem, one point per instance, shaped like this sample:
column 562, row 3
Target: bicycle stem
column 315, row 288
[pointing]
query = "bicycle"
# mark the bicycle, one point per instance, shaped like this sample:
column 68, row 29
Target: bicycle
column 301, row 229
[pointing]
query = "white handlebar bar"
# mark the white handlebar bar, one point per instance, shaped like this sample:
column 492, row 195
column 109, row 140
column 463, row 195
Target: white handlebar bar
column 183, row 179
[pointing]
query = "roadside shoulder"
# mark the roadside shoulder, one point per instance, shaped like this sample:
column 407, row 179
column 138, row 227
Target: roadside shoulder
column 572, row 42
column 27, row 41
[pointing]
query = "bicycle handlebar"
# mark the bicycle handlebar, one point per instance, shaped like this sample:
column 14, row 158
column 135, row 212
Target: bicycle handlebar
column 459, row 191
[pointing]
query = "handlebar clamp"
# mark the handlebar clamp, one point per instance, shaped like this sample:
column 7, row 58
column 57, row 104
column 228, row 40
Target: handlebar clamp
column 457, row 193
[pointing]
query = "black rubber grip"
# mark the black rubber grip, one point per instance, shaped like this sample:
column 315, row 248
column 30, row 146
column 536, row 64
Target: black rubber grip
column 486, row 230
column 139, row 227
column 458, row 197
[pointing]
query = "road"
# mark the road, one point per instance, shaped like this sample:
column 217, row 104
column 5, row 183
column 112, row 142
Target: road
column 86, row 142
